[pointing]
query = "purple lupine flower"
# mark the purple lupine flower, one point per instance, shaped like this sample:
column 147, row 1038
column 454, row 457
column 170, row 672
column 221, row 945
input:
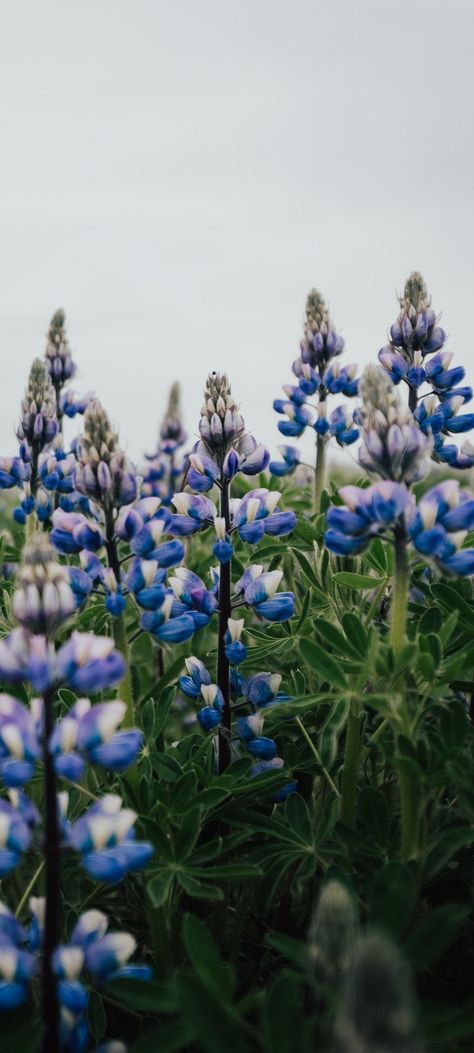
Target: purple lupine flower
column 58, row 355
column 439, row 525
column 103, row 471
column 235, row 650
column 393, row 446
column 44, row 599
column 366, row 513
column 89, row 663
column 19, row 742
column 15, row 836
column 13, row 472
column 38, row 422
column 290, row 459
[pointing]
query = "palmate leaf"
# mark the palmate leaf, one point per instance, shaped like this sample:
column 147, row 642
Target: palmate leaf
column 216, row 1026
column 394, row 899
column 327, row 667
column 216, row 975
column 434, row 933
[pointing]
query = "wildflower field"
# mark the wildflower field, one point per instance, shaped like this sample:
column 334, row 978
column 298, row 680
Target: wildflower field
column 236, row 712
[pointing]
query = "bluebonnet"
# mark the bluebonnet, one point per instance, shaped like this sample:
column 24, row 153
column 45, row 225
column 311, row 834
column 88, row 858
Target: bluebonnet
column 252, row 517
column 88, row 734
column 166, row 466
column 414, row 338
column 319, row 374
column 105, row 838
column 364, row 514
column 259, row 590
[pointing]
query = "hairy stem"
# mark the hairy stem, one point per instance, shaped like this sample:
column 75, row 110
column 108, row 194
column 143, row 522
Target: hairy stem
column 225, row 611
column 52, row 924
column 350, row 771
column 319, row 471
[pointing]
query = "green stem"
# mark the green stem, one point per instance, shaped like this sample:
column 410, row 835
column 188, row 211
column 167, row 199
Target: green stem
column 401, row 580
column 29, row 889
column 409, row 794
column 125, row 686
column 350, row 770
column 317, row 757
column 319, row 472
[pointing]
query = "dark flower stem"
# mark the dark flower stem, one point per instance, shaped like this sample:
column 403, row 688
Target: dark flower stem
column 225, row 612
column 412, row 399
column 118, row 624
column 320, row 467
column 52, row 923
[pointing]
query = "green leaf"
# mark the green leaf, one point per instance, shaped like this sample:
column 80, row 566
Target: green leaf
column 394, row 899
column 20, row 1032
column 216, row 1028
column 434, row 934
column 229, row 872
column 187, row 835
column 330, row 732
column 168, row 1038
column 147, row 996
column 444, row 850
column 356, row 633
column 159, row 886
column 326, row 667
column 333, row 636
column 283, row 1019
column 198, row 889
column 357, row 581
column 298, row 817
column 205, row 959
column 305, row 567
column 96, row 1017
column 294, row 950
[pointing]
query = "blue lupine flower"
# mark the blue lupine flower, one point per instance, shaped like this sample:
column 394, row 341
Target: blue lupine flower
column 260, row 593
column 257, row 514
column 275, row 764
column 192, row 596
column 71, row 403
column 439, row 525
column 319, row 374
column 210, row 714
column 13, row 472
column 291, row 458
column 194, row 512
column 89, row 663
column 202, row 472
column 366, row 513
column 89, row 734
column 72, row 532
column 169, row 622
column 59, row 361
column 235, row 650
column 81, row 584
column 19, row 744
column 104, row 836
column 415, row 329
column 221, row 423
column 15, row 836
column 17, row 965
column 26, row 657
column 146, row 580
column 197, row 676
column 164, row 472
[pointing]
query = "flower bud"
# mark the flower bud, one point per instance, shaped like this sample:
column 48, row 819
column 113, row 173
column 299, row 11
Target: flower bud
column 44, row 598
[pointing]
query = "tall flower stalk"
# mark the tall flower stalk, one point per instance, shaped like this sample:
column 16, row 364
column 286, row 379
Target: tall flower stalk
column 320, row 374
column 395, row 450
column 42, row 604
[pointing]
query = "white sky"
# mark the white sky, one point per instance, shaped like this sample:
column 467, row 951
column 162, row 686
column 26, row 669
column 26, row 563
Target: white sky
column 177, row 175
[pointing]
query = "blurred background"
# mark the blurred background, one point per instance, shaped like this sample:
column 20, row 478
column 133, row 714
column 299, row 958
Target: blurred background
column 177, row 176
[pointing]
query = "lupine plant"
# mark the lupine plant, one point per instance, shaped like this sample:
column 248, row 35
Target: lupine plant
column 237, row 723
column 319, row 374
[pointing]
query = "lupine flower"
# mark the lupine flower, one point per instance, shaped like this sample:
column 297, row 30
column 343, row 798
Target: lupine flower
column 38, row 423
column 89, row 663
column 15, row 836
column 103, row 472
column 58, row 353
column 88, row 734
column 197, row 676
column 376, row 1010
column 366, row 513
column 320, row 374
column 259, row 589
column 165, row 469
column 19, row 743
column 252, row 517
column 415, row 336
column 44, row 599
column 221, row 423
column 192, row 596
column 332, row 934
column 17, row 965
column 439, row 524
column 393, row 446
column 105, row 838
column 71, row 403
column 72, row 532
column 291, row 457
column 170, row 623
column 13, row 472
column 235, row 650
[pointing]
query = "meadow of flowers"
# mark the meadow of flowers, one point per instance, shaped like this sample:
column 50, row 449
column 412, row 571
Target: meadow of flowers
column 236, row 719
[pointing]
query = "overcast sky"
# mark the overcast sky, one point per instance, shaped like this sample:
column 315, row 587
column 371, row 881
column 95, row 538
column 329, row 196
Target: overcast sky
column 178, row 175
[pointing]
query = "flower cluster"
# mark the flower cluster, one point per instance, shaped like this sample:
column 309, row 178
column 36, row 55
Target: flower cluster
column 91, row 952
column 165, row 469
column 251, row 518
column 255, row 695
column 319, row 374
column 395, row 449
column 104, row 835
column 414, row 338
